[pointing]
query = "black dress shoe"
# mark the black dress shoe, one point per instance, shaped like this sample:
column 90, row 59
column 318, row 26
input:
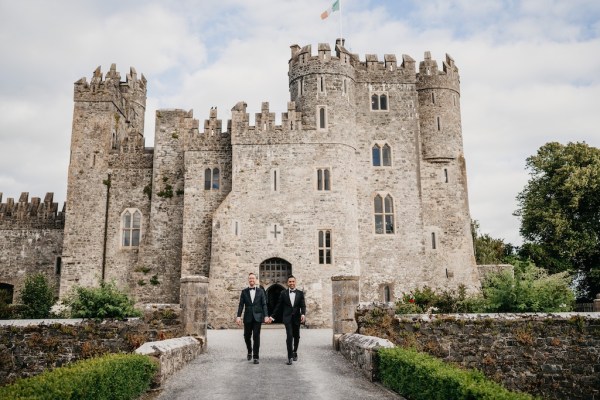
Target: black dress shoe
column 256, row 361
column 249, row 357
column 289, row 361
column 295, row 356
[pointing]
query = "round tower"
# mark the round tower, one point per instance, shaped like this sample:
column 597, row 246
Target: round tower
column 439, row 109
column 446, row 217
column 322, row 88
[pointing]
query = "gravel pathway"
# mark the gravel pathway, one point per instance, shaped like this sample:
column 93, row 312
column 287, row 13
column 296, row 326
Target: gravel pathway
column 224, row 373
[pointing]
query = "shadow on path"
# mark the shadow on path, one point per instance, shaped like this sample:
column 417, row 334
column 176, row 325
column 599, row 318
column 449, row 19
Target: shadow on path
column 224, row 373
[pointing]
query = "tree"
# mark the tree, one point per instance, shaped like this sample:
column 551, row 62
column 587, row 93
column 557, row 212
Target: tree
column 37, row 297
column 489, row 250
column 560, row 212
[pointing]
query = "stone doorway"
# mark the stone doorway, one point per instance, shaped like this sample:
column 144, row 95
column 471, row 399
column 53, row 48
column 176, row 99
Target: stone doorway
column 273, row 274
column 6, row 292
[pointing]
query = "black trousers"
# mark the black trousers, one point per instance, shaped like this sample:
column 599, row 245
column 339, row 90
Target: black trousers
column 252, row 329
column 292, row 332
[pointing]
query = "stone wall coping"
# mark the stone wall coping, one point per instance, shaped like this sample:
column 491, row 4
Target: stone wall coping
column 194, row 278
column 166, row 346
column 345, row 278
column 500, row 316
column 366, row 342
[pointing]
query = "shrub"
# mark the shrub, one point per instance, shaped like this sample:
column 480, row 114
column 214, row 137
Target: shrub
column 531, row 289
column 419, row 376
column 114, row 376
column 37, row 297
column 426, row 300
column 106, row 301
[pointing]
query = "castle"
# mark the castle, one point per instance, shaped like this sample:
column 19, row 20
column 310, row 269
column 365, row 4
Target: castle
column 365, row 176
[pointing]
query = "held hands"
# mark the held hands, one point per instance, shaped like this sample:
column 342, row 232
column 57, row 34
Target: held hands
column 238, row 321
column 267, row 320
column 302, row 319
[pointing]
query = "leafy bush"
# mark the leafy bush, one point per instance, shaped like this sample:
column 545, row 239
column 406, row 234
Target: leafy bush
column 531, row 289
column 37, row 297
column 114, row 376
column 419, row 376
column 106, row 301
column 426, row 300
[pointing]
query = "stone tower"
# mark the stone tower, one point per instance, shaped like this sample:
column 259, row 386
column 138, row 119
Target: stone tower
column 107, row 152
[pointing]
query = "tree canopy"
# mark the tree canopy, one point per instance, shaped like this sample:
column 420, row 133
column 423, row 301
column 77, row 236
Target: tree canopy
column 560, row 212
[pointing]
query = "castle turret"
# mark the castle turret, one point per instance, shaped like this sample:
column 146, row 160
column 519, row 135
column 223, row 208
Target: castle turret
column 446, row 217
column 107, row 120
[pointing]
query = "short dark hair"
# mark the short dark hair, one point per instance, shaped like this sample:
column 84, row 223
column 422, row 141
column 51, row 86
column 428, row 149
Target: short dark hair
column 252, row 273
column 291, row 276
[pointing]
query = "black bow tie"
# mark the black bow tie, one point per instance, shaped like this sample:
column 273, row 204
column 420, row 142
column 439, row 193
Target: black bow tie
column 292, row 291
column 252, row 288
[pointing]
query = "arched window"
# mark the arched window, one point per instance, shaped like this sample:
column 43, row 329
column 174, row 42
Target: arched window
column 383, row 102
column 379, row 102
column 382, row 156
column 131, row 227
column 387, row 155
column 212, row 179
column 376, row 156
column 215, row 179
column 384, row 214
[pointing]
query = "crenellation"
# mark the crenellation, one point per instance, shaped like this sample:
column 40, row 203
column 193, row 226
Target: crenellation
column 30, row 214
column 324, row 52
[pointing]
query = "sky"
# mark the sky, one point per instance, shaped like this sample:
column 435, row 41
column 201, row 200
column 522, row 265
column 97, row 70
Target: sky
column 530, row 73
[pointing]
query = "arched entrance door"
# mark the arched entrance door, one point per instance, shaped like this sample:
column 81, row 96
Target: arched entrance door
column 273, row 274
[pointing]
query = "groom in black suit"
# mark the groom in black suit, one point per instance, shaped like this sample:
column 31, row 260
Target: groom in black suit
column 293, row 307
column 253, row 301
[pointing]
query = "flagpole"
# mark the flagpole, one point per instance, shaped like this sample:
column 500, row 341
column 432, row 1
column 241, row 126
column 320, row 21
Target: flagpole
column 341, row 36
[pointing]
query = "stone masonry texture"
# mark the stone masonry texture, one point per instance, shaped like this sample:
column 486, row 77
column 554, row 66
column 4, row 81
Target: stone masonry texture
column 221, row 199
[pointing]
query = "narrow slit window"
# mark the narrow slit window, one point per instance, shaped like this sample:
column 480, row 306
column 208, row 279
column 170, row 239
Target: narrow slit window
column 215, row 179
column 439, row 124
column 322, row 84
column 322, row 116
column 386, row 294
column 326, row 180
column 433, row 241
column 275, row 180
column 344, row 87
column 433, row 97
column 445, row 175
column 319, row 179
column 207, row 178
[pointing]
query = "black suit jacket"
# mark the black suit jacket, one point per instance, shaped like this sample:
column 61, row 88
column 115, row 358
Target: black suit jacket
column 291, row 312
column 256, row 310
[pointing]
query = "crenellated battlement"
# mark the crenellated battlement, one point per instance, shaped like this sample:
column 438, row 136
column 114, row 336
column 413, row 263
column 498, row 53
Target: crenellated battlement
column 109, row 87
column 265, row 120
column 303, row 56
column 34, row 214
column 430, row 76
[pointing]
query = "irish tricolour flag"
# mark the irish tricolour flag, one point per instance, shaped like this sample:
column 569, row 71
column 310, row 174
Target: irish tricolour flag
column 334, row 7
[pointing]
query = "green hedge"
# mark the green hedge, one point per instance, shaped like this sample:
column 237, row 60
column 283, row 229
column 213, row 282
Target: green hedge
column 113, row 376
column 419, row 376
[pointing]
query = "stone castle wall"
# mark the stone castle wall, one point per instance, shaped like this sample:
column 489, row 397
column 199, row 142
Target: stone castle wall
column 550, row 355
column 31, row 237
